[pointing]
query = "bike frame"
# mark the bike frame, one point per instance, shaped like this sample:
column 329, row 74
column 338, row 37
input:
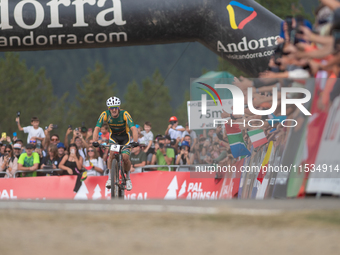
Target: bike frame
column 118, row 178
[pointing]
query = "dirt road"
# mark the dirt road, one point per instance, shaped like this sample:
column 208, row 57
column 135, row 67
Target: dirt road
column 36, row 232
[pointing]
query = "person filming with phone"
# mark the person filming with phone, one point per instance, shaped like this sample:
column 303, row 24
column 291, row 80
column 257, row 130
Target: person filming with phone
column 72, row 163
column 8, row 162
column 174, row 130
column 33, row 131
column 162, row 155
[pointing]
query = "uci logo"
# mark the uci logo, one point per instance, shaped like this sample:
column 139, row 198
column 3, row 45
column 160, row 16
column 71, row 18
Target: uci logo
column 232, row 17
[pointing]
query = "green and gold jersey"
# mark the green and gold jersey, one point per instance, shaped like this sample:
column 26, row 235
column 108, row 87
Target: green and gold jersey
column 118, row 126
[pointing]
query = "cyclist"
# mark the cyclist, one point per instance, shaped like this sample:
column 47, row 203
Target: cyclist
column 120, row 123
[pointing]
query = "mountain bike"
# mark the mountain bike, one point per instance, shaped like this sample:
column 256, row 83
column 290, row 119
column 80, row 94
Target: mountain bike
column 117, row 173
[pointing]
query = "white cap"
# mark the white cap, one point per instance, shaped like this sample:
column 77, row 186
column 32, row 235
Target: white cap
column 17, row 146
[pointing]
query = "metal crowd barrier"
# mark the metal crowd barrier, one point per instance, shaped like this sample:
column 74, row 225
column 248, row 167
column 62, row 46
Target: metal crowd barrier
column 47, row 171
column 3, row 174
column 177, row 168
column 187, row 168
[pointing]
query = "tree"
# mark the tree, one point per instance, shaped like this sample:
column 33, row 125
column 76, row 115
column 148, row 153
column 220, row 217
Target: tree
column 150, row 103
column 182, row 110
column 92, row 95
column 282, row 8
column 28, row 91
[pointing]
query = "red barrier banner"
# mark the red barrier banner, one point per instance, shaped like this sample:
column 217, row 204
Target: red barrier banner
column 152, row 185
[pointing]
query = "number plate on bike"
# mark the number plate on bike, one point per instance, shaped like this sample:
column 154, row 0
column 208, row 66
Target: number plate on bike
column 115, row 148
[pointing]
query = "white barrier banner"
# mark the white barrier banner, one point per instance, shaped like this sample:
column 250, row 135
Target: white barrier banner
column 325, row 178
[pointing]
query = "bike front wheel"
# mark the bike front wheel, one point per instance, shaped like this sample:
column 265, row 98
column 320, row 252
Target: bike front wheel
column 114, row 179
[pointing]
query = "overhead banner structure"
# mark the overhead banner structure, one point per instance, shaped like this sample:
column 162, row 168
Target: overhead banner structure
column 241, row 31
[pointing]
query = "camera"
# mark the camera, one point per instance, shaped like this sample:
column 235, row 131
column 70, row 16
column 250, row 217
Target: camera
column 172, row 122
column 83, row 129
column 161, row 145
column 70, row 126
column 76, row 129
column 18, row 114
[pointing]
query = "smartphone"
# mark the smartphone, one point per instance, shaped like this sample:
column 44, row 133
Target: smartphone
column 289, row 21
column 300, row 22
column 18, row 114
column 76, row 129
column 278, row 53
column 70, row 126
column 3, row 135
column 336, row 35
column 55, row 126
column 15, row 134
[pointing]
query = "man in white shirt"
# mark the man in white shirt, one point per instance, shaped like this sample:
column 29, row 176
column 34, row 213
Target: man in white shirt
column 174, row 130
column 34, row 131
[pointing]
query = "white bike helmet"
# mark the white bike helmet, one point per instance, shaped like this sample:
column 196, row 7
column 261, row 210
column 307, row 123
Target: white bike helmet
column 113, row 101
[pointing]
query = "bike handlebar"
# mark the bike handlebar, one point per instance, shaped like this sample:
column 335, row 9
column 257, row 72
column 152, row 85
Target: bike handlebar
column 104, row 145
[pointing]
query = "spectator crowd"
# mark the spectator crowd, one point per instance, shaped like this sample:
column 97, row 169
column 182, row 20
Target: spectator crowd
column 304, row 50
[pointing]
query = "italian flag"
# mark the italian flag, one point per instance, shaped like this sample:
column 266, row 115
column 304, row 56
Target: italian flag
column 257, row 137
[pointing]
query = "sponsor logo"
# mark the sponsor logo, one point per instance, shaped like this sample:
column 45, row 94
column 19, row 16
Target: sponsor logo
column 232, row 17
column 209, row 93
column 190, row 191
column 244, row 45
column 4, row 194
column 54, row 6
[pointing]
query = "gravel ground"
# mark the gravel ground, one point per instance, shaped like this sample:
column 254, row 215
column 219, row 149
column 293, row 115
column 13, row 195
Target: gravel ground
column 38, row 232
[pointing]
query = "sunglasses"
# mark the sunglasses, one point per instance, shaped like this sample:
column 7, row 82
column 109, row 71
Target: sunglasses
column 17, row 149
column 114, row 108
column 55, row 140
column 7, row 150
column 91, row 150
column 32, row 141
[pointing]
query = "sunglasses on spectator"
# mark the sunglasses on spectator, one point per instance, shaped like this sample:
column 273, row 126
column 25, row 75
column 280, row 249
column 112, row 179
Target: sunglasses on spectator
column 114, row 108
column 91, row 150
column 7, row 150
column 17, row 149
column 54, row 139
column 32, row 141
